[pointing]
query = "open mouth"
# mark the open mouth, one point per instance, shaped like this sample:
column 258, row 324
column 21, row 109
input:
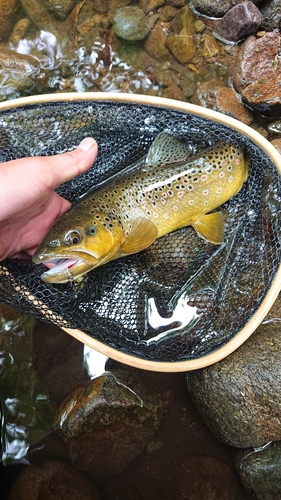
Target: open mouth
column 59, row 266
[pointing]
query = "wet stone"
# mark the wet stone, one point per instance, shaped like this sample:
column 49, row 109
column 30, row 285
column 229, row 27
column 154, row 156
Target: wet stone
column 181, row 41
column 213, row 8
column 8, row 16
column 259, row 471
column 277, row 144
column 239, row 398
column 220, row 97
column 182, row 47
column 240, row 21
column 256, row 74
column 255, row 60
column 155, row 44
column 60, row 8
column 264, row 95
column 52, row 480
column 130, row 23
column 271, row 15
column 188, row 83
column 210, row 47
column 108, row 422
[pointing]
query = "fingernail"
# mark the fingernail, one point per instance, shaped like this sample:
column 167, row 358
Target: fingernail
column 87, row 144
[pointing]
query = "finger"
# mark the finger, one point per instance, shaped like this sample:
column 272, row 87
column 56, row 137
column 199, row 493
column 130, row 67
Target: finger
column 64, row 167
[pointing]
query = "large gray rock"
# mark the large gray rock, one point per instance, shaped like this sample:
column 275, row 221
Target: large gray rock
column 239, row 397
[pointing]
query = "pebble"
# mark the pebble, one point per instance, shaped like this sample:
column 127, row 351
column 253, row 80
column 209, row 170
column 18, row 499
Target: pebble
column 242, row 20
column 130, row 23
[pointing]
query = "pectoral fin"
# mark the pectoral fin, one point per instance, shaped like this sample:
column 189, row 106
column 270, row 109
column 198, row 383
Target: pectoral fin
column 211, row 227
column 143, row 234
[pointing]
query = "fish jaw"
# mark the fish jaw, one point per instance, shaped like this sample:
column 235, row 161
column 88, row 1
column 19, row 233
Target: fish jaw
column 65, row 268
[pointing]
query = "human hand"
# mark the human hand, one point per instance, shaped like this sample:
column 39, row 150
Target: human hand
column 28, row 203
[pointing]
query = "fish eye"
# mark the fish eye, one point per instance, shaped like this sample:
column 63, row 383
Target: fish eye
column 91, row 230
column 72, row 237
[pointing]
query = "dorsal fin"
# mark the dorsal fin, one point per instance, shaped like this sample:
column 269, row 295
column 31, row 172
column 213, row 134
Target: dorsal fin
column 143, row 234
column 166, row 149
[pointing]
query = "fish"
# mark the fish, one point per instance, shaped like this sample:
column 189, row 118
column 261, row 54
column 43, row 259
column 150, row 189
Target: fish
column 169, row 188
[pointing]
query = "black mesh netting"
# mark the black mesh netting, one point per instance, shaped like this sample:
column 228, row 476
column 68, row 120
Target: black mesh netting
column 144, row 305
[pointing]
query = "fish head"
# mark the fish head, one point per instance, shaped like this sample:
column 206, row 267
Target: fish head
column 72, row 248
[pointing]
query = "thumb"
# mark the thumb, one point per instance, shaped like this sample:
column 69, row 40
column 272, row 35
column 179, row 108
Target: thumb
column 65, row 166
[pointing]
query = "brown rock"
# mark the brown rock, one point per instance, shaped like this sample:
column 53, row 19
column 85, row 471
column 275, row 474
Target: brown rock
column 255, row 60
column 155, row 44
column 264, row 95
column 52, row 480
column 8, row 13
column 174, row 92
column 239, row 398
column 109, row 421
column 182, row 47
column 277, row 144
column 217, row 96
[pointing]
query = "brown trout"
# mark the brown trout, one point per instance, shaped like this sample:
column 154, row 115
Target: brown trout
column 167, row 190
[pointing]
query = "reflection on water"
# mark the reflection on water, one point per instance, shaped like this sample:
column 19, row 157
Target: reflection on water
column 94, row 362
column 26, row 412
column 182, row 316
column 40, row 65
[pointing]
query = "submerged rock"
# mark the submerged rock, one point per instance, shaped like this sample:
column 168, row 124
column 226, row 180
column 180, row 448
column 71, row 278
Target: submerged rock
column 277, row 144
column 213, row 8
column 239, row 398
column 220, row 97
column 131, row 23
column 52, row 480
column 192, row 478
column 240, row 21
column 259, row 471
column 181, row 42
column 60, row 8
column 108, row 422
column 8, row 16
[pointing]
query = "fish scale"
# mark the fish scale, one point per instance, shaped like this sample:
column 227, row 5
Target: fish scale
column 170, row 188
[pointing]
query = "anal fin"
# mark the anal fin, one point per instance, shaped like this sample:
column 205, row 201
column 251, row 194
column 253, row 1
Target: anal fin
column 143, row 234
column 211, row 227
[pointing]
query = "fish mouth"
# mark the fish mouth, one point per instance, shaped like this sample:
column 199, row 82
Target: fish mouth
column 64, row 269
